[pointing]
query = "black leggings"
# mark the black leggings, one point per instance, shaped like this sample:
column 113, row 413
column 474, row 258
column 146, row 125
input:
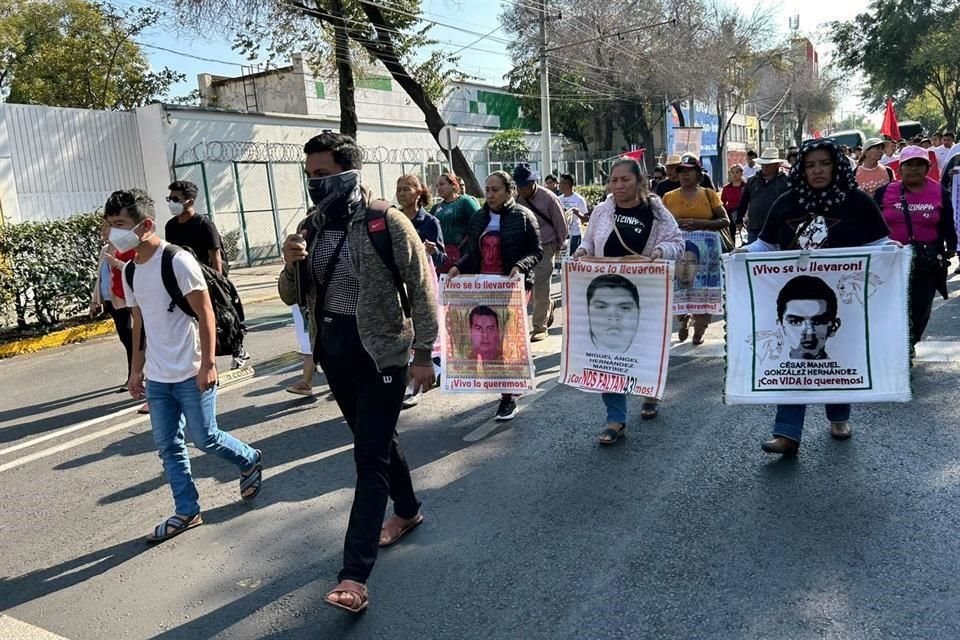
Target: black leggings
column 923, row 289
column 123, row 321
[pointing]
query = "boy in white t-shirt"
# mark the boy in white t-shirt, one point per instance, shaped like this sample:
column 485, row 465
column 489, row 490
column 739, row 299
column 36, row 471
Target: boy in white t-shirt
column 575, row 207
column 180, row 362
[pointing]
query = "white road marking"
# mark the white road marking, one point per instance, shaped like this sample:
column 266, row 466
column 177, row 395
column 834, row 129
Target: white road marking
column 76, row 442
column 228, row 380
column 64, row 431
column 13, row 629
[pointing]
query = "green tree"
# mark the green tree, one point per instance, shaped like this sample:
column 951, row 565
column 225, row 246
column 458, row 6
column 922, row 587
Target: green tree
column 74, row 53
column 509, row 144
column 570, row 115
column 861, row 122
column 905, row 49
column 925, row 110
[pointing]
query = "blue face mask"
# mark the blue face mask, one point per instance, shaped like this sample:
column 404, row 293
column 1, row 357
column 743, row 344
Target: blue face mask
column 342, row 188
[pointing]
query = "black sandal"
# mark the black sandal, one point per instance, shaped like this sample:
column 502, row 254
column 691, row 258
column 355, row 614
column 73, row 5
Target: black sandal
column 163, row 530
column 649, row 410
column 253, row 479
column 612, row 433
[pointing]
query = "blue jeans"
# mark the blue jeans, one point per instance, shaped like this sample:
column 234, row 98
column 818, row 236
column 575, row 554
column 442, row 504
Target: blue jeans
column 789, row 420
column 175, row 405
column 616, row 404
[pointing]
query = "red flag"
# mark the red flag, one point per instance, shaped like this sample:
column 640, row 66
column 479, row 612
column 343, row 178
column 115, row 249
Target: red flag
column 636, row 155
column 890, row 127
column 816, row 134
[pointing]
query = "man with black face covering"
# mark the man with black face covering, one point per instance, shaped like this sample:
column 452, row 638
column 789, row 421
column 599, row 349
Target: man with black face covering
column 362, row 330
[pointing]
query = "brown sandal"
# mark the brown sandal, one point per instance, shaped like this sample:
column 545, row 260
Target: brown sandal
column 387, row 539
column 358, row 592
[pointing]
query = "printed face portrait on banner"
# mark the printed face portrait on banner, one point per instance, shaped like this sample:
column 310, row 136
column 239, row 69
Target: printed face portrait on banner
column 613, row 312
column 485, row 333
column 807, row 312
column 490, row 261
column 698, row 285
column 688, row 265
column 827, row 326
column 617, row 319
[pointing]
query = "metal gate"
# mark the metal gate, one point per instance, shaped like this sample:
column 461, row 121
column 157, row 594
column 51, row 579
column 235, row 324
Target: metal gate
column 255, row 204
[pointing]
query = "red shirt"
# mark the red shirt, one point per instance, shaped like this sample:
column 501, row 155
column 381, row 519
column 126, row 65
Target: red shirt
column 116, row 276
column 730, row 196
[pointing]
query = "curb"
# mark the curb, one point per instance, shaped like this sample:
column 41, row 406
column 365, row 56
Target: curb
column 79, row 334
column 56, row 339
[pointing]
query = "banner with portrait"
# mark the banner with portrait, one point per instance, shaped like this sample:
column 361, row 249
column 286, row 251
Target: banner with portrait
column 484, row 335
column 698, row 283
column 827, row 326
column 618, row 316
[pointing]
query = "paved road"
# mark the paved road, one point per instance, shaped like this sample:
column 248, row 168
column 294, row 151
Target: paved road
column 686, row 530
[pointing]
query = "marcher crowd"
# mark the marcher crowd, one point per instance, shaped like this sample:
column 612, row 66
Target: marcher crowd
column 360, row 277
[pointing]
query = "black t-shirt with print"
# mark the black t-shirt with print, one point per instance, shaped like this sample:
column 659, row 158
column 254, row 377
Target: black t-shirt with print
column 634, row 225
column 853, row 223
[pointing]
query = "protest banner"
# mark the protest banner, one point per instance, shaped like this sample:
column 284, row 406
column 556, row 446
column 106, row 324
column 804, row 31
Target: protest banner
column 698, row 285
column 827, row 326
column 484, row 335
column 617, row 321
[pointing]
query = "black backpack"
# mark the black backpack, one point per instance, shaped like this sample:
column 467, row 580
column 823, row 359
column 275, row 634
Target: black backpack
column 227, row 308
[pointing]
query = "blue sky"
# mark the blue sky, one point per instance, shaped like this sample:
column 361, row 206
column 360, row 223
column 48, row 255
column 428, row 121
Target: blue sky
column 479, row 16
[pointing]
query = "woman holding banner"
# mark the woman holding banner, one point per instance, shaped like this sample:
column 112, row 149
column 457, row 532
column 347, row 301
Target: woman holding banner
column 630, row 224
column 823, row 208
column 502, row 239
column 696, row 209
column 919, row 212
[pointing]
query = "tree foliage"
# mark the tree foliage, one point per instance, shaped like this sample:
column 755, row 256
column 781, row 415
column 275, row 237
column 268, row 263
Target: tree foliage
column 733, row 42
column 601, row 82
column 49, row 267
column 861, row 122
column 906, row 49
column 509, row 144
column 74, row 53
column 392, row 36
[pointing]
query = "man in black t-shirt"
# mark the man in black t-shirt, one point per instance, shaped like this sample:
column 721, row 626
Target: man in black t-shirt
column 187, row 229
column 199, row 234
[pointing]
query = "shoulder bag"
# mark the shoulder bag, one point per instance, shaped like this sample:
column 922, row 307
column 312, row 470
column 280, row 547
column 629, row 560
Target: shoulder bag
column 928, row 257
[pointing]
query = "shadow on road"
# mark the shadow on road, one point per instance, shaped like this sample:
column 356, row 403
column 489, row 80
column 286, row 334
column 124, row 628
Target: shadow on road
column 54, row 419
column 41, row 583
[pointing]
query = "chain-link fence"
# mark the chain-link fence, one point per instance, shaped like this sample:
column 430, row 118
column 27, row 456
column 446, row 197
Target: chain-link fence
column 256, row 192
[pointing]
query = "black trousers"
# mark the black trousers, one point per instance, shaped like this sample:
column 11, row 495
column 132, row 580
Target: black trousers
column 370, row 401
column 123, row 321
column 923, row 288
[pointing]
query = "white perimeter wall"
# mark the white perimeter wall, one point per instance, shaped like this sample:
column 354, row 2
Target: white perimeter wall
column 56, row 162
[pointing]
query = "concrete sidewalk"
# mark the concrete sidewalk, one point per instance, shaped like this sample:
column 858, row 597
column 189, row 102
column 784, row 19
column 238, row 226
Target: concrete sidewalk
column 255, row 284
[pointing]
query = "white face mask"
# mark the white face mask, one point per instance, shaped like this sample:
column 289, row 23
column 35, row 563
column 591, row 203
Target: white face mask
column 176, row 208
column 124, row 239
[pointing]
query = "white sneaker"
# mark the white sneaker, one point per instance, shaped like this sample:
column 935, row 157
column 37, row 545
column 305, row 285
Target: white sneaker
column 411, row 400
column 240, row 360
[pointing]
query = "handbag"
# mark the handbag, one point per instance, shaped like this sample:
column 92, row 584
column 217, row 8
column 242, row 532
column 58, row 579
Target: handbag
column 726, row 240
column 928, row 257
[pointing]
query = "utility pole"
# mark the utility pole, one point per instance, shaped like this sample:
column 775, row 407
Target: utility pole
column 546, row 153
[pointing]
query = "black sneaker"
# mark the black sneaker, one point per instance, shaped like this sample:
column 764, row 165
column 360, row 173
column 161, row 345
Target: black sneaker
column 507, row 409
